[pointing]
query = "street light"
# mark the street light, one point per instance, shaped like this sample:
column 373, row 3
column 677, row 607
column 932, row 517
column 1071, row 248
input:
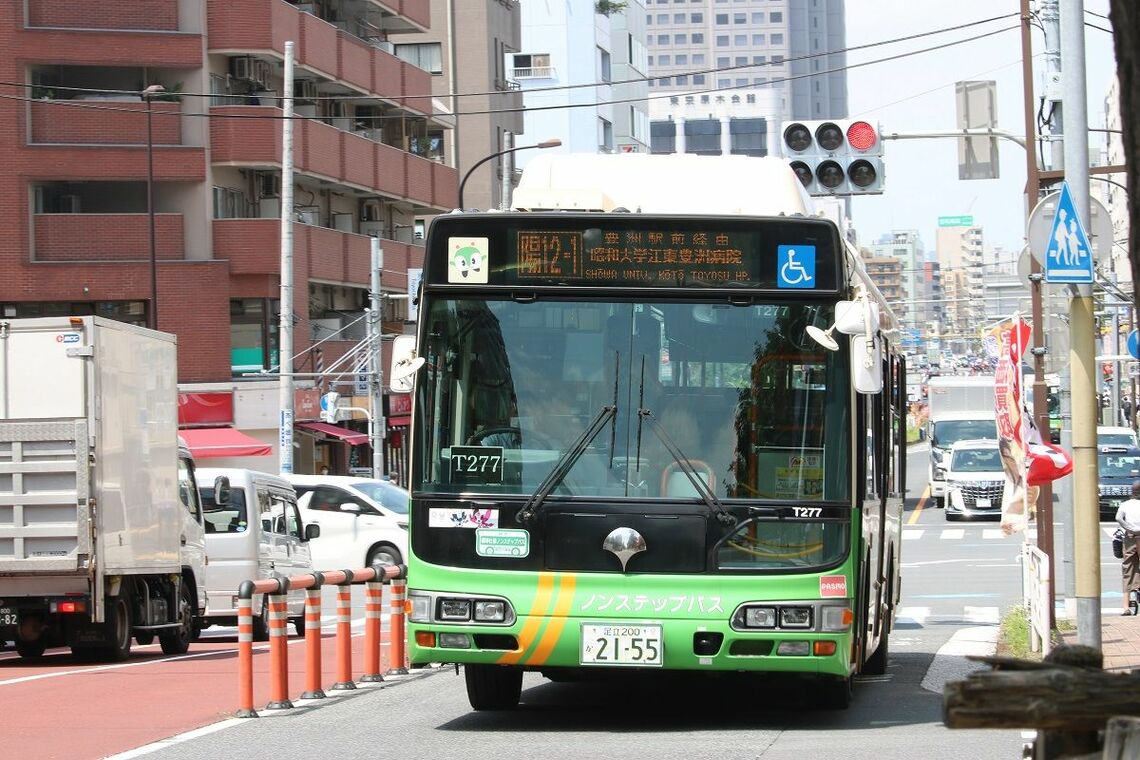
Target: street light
column 553, row 142
column 148, row 95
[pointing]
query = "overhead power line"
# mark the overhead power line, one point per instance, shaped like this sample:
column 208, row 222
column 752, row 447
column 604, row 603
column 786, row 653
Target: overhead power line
column 526, row 109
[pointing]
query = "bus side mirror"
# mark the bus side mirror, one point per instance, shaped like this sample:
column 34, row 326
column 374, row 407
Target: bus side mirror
column 866, row 364
column 405, row 364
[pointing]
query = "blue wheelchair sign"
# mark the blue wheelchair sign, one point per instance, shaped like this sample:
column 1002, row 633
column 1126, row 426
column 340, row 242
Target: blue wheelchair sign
column 795, row 266
column 1068, row 257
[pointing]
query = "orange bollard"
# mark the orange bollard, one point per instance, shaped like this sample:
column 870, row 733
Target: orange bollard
column 398, row 592
column 373, row 611
column 313, row 688
column 344, row 634
column 279, row 649
column 245, row 659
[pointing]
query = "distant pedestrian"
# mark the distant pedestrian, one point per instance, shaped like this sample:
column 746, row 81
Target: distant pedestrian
column 324, row 469
column 1128, row 518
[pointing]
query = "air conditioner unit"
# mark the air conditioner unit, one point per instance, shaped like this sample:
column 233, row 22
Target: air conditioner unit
column 305, row 89
column 310, row 216
column 372, row 229
column 243, row 68
column 268, row 185
column 68, row 204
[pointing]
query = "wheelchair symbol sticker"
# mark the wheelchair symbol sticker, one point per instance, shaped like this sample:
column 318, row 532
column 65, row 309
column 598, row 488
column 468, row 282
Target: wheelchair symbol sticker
column 795, row 266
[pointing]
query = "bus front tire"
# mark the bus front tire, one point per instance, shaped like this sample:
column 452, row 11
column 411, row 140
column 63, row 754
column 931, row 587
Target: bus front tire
column 837, row 693
column 493, row 687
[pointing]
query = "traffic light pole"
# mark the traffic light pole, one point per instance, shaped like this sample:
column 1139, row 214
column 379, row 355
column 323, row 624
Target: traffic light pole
column 977, row 132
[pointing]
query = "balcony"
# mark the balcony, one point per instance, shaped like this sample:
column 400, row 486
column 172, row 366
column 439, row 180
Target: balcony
column 329, row 153
column 75, row 122
column 253, row 246
column 106, row 237
column 154, row 15
column 321, row 47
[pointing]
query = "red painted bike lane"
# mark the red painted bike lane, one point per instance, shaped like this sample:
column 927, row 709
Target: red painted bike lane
column 62, row 708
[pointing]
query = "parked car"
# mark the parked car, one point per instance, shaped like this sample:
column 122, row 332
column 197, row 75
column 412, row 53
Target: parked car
column 362, row 520
column 253, row 530
column 975, row 480
column 1116, row 436
column 1118, row 467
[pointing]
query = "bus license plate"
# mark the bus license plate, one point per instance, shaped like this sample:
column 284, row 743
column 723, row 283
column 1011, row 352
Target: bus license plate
column 637, row 645
column 9, row 616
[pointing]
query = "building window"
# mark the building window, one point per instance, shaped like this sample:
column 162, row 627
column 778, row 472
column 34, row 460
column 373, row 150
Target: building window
column 682, row 60
column 662, row 137
column 776, row 17
column 742, row 81
column 722, row 40
column 697, row 38
column 680, row 39
column 698, row 79
column 604, row 72
column 253, row 335
column 662, row 39
column 759, row 60
column 682, row 79
column 722, row 19
column 740, row 18
column 723, row 61
column 532, row 66
column 698, row 59
column 131, row 312
column 231, row 204
column 425, row 55
column 605, row 135
column 777, row 60
column 702, row 136
column 758, row 39
column 741, row 60
column 678, row 18
column 777, row 39
column 696, row 18
column 664, row 60
column 662, row 18
column 724, row 83
column 757, row 18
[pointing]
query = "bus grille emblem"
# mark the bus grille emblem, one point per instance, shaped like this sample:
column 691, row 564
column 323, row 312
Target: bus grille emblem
column 623, row 543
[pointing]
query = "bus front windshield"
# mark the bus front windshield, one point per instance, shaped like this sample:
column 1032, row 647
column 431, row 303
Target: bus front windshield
column 751, row 404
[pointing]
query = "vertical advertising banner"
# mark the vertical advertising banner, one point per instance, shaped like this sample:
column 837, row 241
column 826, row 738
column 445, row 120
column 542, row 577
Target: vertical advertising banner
column 1019, row 500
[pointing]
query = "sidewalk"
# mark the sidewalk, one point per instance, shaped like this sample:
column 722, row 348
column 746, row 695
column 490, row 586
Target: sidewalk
column 1120, row 641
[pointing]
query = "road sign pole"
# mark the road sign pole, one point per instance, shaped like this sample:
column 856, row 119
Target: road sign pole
column 1086, row 512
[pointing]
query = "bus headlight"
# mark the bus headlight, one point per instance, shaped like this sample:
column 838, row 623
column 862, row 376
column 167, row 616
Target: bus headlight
column 490, row 611
column 755, row 617
column 795, row 617
column 455, row 609
column 837, row 618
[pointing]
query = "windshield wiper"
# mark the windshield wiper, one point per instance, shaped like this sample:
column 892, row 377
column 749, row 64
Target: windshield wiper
column 565, row 462
column 717, row 509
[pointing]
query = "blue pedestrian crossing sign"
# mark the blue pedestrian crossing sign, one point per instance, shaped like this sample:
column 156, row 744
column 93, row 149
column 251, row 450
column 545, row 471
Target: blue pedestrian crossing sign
column 1068, row 257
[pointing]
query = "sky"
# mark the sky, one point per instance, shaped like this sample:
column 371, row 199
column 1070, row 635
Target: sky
column 916, row 93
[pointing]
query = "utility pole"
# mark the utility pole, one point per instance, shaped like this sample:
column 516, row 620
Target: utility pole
column 375, row 378
column 1082, row 354
column 1036, row 284
column 285, row 324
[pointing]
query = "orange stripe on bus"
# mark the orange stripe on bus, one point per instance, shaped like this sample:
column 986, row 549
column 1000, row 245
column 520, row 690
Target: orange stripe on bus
column 563, row 602
column 534, row 619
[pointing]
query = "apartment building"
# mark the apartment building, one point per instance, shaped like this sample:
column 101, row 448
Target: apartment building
column 370, row 155
column 469, row 52
column 960, row 249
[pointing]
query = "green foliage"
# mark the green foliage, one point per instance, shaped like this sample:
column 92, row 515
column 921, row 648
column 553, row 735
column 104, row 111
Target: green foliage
column 607, row 7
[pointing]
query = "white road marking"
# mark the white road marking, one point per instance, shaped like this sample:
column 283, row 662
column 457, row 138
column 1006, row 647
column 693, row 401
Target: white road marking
column 982, row 615
column 952, row 533
column 913, row 615
column 912, row 535
column 951, row 663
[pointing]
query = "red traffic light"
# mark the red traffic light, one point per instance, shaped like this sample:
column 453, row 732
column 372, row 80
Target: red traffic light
column 861, row 135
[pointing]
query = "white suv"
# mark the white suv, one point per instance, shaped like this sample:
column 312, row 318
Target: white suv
column 362, row 520
column 975, row 480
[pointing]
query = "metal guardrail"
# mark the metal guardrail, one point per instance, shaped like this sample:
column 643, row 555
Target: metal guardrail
column 277, row 588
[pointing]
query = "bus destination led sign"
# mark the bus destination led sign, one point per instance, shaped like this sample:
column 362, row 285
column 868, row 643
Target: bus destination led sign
column 635, row 257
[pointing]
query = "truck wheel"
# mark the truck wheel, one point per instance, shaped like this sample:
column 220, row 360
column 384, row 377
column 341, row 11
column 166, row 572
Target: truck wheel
column 177, row 640
column 261, row 622
column 144, row 638
column 30, row 650
column 118, row 628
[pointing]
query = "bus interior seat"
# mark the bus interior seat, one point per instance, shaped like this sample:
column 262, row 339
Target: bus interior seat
column 675, row 481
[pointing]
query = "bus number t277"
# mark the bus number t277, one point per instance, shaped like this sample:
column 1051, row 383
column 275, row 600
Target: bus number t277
column 480, row 464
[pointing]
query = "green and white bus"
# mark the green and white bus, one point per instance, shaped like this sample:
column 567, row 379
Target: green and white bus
column 653, row 441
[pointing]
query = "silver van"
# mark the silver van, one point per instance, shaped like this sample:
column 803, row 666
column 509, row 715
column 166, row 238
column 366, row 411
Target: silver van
column 253, row 530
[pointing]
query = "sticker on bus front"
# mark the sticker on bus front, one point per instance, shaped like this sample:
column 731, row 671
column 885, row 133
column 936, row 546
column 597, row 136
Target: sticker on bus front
column 467, row 260
column 502, row 542
column 833, row 585
column 446, row 517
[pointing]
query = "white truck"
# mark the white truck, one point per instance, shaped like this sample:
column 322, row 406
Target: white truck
column 959, row 408
column 101, row 536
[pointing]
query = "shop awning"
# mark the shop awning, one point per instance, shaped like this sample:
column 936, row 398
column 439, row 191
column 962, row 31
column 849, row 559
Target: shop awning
column 351, row 437
column 223, row 442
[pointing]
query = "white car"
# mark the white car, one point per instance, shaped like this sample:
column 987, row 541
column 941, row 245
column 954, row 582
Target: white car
column 1116, row 436
column 975, row 480
column 363, row 521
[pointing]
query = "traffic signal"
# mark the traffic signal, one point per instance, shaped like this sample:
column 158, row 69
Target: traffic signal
column 835, row 156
